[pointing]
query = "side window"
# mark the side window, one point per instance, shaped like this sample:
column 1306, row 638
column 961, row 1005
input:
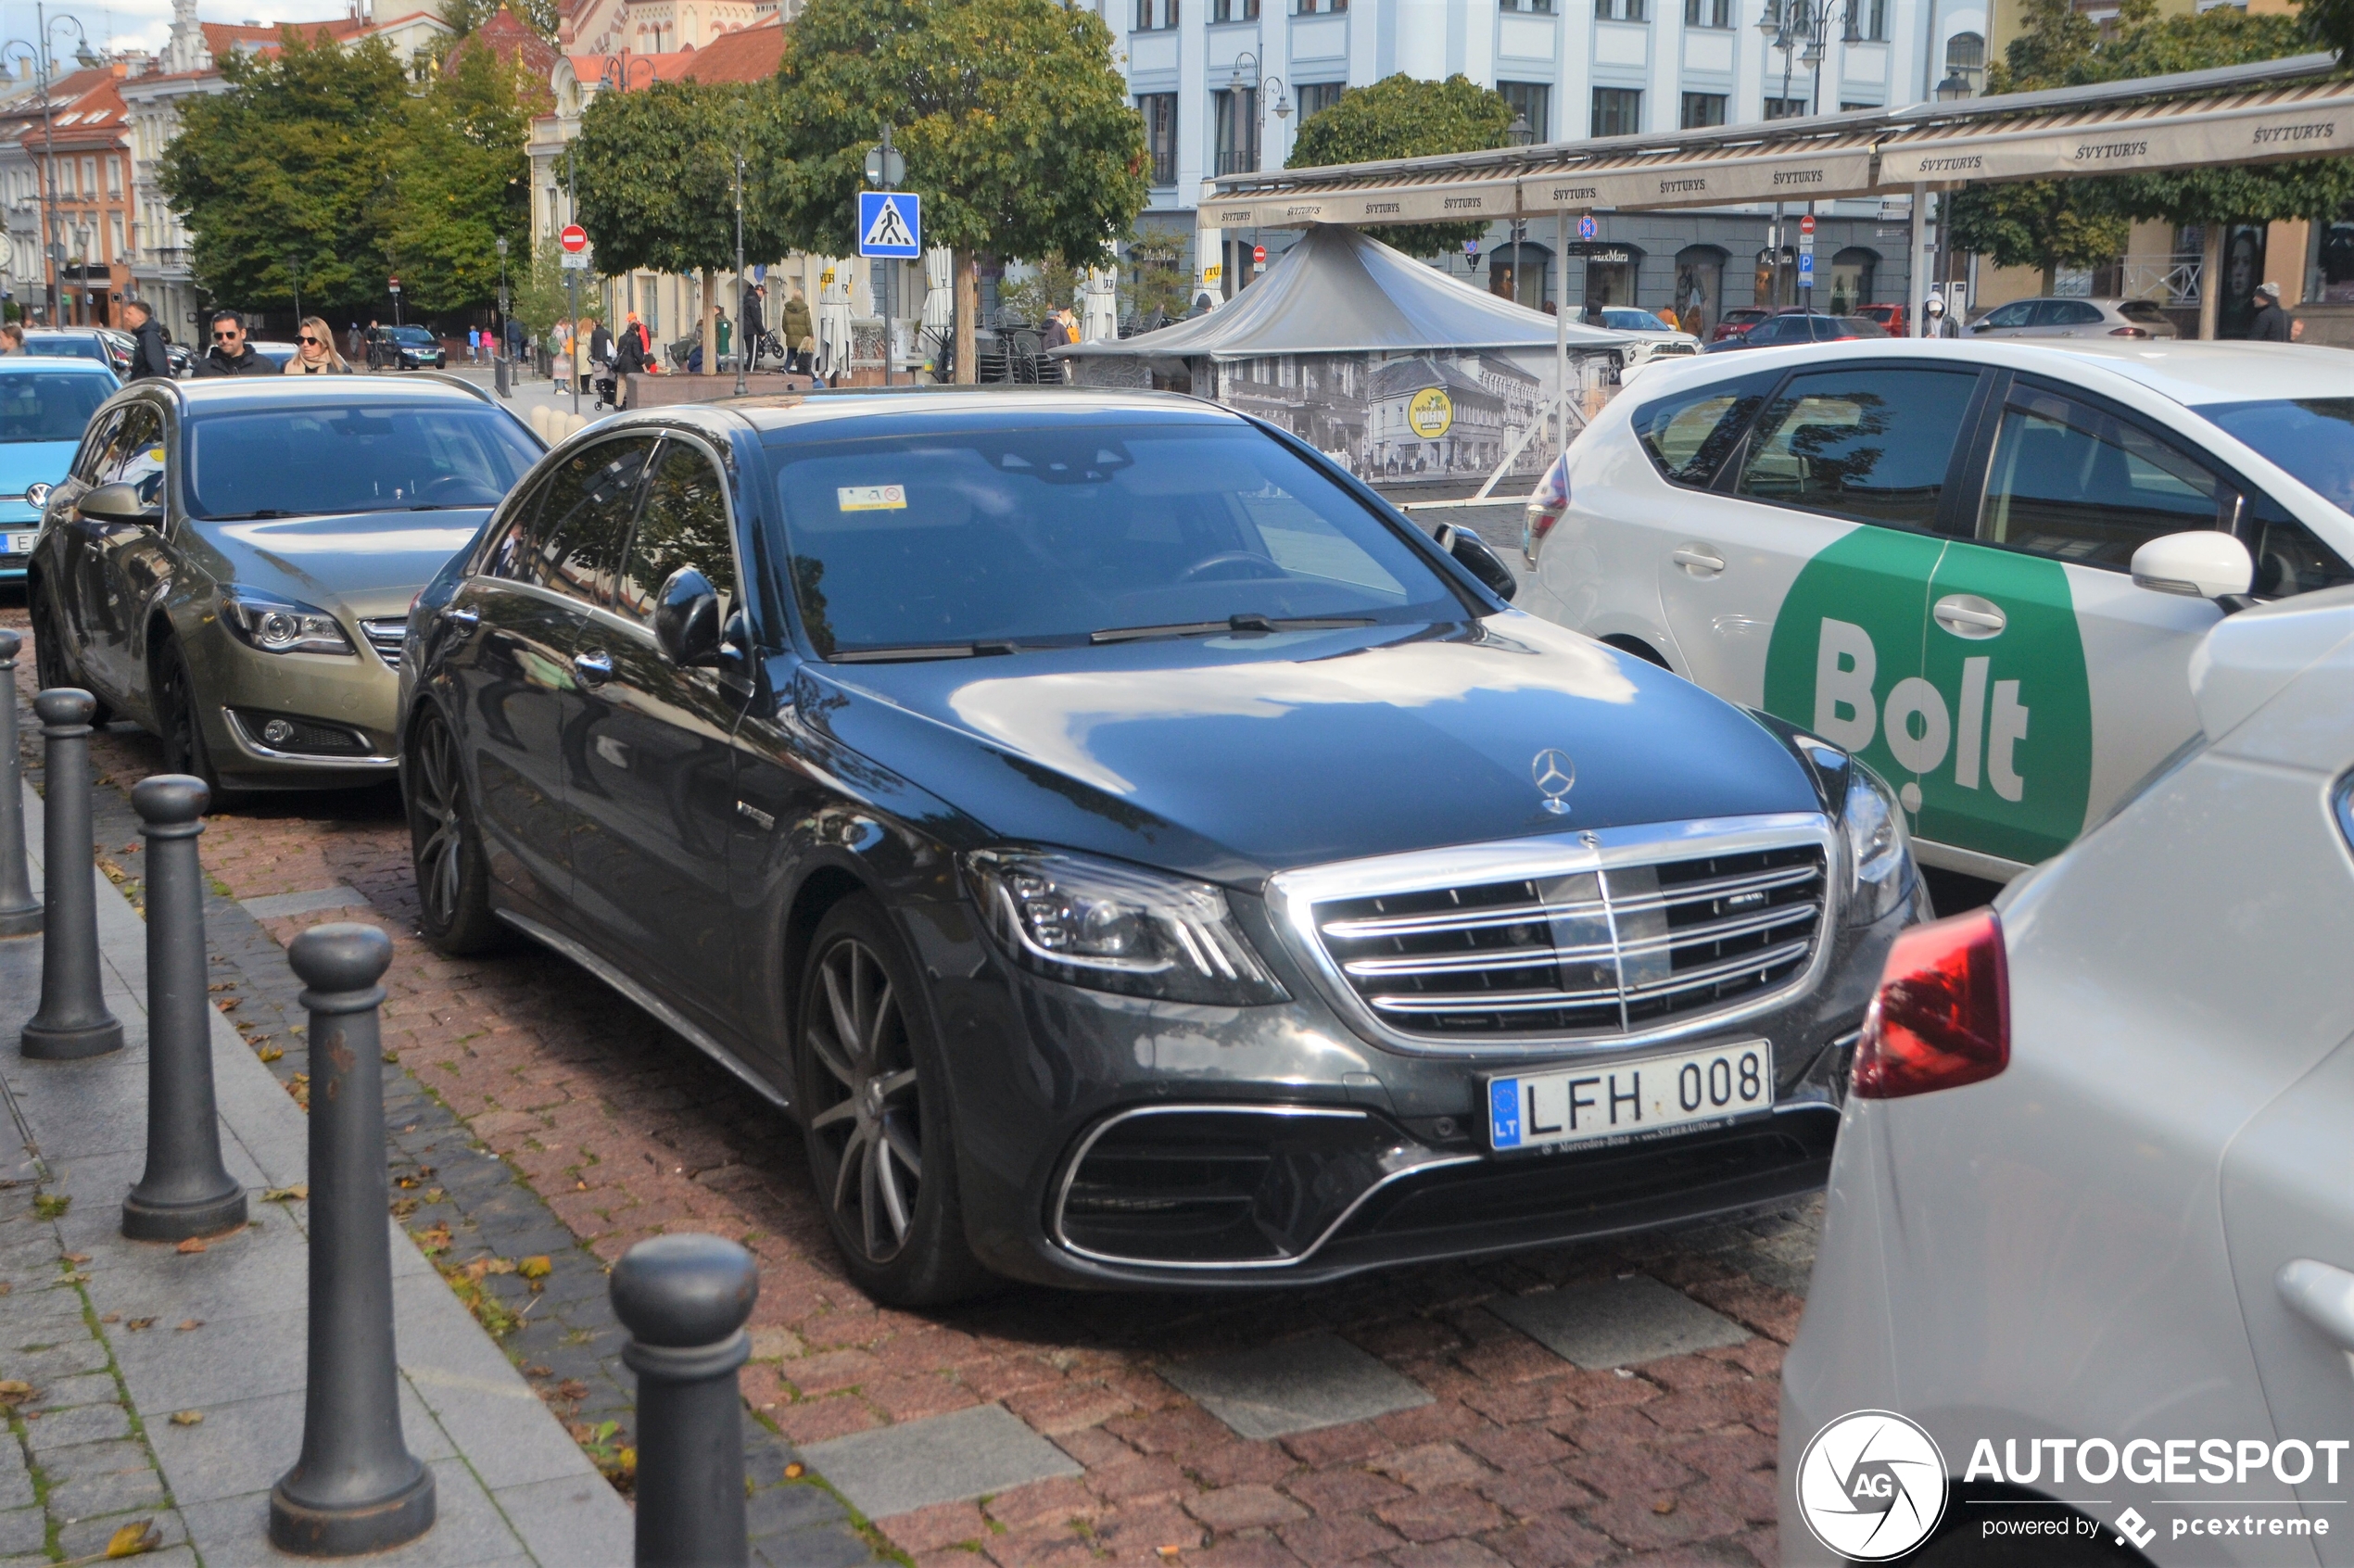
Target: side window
column 99, row 440
column 135, row 456
column 2072, row 481
column 1871, row 444
column 1690, row 436
column 2076, row 313
column 683, row 523
column 2289, row 560
column 578, row 537
column 2013, row 315
column 510, row 555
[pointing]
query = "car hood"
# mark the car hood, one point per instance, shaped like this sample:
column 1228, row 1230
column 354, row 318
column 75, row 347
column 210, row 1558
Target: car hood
column 1231, row 758
column 33, row 463
column 370, row 562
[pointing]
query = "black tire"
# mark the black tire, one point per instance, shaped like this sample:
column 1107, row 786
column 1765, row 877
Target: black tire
column 878, row 1121
column 176, row 704
column 445, row 846
column 50, row 666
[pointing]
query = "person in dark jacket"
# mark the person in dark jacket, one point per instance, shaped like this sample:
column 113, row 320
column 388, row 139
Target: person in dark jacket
column 230, row 353
column 2270, row 323
column 601, row 345
column 149, row 358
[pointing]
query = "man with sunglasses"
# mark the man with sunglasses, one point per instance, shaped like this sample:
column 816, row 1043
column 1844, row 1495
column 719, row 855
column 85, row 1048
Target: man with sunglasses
column 230, row 353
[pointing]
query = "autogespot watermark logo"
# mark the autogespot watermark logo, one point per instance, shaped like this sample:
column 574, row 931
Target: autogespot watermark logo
column 1871, row 1486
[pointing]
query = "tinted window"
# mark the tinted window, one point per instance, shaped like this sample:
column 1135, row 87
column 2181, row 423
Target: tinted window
column 581, row 527
column 2075, row 312
column 1867, row 444
column 2289, row 558
column 50, row 406
column 1781, row 329
column 2072, row 481
column 135, row 456
column 683, row 522
column 95, row 445
column 2312, row 437
column 2013, row 315
column 1052, row 532
column 1688, row 434
column 2144, row 311
column 1858, row 326
column 66, row 344
column 297, row 460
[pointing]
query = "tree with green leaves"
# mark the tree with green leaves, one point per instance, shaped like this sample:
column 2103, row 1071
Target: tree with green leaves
column 460, row 184
column 657, row 183
column 2331, row 25
column 2048, row 224
column 1404, row 117
column 1016, row 125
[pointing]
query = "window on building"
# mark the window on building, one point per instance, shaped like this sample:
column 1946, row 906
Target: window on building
column 1708, row 13
column 1152, row 16
column 1618, row 111
column 1237, row 116
column 1966, row 57
column 1543, row 7
column 1619, row 10
column 1317, row 96
column 1310, row 7
column 1846, row 108
column 1159, row 110
column 114, row 176
column 1873, row 21
column 1532, row 101
column 1233, row 10
column 120, row 252
column 89, row 177
column 1702, row 109
column 1785, row 109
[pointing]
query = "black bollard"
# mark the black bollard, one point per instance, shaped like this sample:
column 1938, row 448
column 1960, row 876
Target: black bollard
column 73, row 1020
column 185, row 1191
column 356, row 1487
column 684, row 1300
column 19, row 911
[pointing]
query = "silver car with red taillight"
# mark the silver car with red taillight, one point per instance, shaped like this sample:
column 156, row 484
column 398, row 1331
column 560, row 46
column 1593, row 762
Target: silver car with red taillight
column 2085, row 1291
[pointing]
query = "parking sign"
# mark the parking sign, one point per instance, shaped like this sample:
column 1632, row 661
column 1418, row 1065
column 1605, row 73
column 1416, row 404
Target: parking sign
column 890, row 224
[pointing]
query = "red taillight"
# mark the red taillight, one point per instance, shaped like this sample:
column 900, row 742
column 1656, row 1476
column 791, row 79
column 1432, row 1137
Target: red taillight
column 1943, row 1017
column 2127, row 332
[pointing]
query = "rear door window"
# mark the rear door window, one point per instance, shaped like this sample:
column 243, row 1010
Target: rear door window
column 1872, row 444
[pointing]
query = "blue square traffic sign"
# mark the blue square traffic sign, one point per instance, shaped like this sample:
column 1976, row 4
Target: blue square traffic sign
column 890, row 223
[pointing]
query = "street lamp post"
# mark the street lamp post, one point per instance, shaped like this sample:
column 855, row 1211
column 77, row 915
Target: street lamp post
column 1520, row 135
column 1246, row 78
column 52, row 244
column 744, row 342
column 1801, row 29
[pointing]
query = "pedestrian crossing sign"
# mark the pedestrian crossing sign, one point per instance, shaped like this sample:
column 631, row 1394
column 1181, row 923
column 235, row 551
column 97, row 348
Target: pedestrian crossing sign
column 890, row 223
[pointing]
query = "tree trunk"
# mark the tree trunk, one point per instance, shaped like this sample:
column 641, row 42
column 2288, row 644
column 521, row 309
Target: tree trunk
column 967, row 271
column 2210, row 282
column 710, row 323
column 2051, row 279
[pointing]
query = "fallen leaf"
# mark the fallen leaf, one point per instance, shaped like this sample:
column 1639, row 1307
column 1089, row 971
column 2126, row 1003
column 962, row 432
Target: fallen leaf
column 187, row 1418
column 187, row 1323
column 6, row 1287
column 537, row 1372
column 498, row 1266
column 270, row 1052
column 572, row 1388
column 1664, row 1505
column 13, row 1391
column 77, row 1258
column 296, row 1193
column 795, row 1471
column 133, row 1539
column 136, row 1325
column 194, row 1244
column 75, row 1278
column 111, row 1317
column 535, row 1267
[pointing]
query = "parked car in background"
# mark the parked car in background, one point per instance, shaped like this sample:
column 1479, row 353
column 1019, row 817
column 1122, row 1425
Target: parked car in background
column 78, row 343
column 1788, row 327
column 1737, row 320
column 1891, row 317
column 2093, row 1199
column 1136, row 853
column 2075, row 318
column 278, row 354
column 230, row 563
column 45, row 405
column 1984, row 567
column 405, row 348
column 1653, row 338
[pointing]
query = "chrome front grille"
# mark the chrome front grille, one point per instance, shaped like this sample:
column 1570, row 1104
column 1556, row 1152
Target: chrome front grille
column 386, row 638
column 1618, row 946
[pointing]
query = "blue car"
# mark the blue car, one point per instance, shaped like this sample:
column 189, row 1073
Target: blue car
column 45, row 403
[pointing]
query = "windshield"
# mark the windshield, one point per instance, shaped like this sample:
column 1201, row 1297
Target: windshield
column 64, row 345
column 411, row 334
column 1634, row 321
column 1053, row 533
column 50, row 405
column 2312, row 437
column 294, row 462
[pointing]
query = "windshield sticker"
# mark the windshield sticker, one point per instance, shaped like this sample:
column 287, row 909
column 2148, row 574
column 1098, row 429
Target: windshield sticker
column 871, row 498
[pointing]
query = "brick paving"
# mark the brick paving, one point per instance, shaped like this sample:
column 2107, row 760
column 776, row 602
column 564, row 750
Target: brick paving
column 1520, row 1458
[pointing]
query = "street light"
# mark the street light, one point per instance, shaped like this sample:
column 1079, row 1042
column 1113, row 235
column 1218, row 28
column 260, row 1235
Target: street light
column 1520, row 133
column 1245, row 78
column 1801, row 29
column 1954, row 89
column 88, row 60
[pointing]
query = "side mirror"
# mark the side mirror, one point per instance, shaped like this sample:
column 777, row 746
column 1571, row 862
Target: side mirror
column 119, row 503
column 1472, row 552
column 2199, row 564
column 686, row 619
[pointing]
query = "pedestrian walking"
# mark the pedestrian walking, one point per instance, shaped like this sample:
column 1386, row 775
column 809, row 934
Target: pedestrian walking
column 149, row 358
column 798, row 330
column 1935, row 321
column 2269, row 323
column 1062, row 329
column 230, row 353
column 353, row 342
column 754, row 324
column 315, row 350
column 473, row 345
column 599, row 348
column 634, row 355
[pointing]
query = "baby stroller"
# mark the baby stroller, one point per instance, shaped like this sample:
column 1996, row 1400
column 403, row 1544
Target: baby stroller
column 605, row 385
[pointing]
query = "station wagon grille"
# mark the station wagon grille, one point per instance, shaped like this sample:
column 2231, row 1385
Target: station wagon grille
column 1592, row 953
column 386, row 637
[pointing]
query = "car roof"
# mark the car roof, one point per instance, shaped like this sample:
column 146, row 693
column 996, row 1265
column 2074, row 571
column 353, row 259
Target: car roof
column 2188, row 372
column 53, row 364
column 214, row 394
column 783, row 416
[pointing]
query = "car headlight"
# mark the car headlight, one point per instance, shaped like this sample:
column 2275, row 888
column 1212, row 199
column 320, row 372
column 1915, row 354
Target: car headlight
column 282, row 626
column 1880, row 853
column 1109, row 926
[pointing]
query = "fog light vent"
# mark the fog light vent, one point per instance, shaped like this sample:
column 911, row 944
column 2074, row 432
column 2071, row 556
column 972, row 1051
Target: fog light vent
column 286, row 732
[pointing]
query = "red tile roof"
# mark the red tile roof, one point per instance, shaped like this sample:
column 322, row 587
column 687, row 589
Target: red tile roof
column 749, row 53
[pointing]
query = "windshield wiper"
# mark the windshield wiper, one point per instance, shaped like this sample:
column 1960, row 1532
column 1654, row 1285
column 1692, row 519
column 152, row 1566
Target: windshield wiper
column 1243, row 623
column 919, row 651
column 248, row 516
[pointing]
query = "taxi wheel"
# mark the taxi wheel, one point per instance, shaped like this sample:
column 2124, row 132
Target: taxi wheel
column 877, row 1128
column 50, row 666
column 176, row 708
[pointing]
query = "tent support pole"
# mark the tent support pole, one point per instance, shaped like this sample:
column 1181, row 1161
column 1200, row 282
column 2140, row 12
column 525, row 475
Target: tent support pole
column 1511, row 455
column 1561, row 327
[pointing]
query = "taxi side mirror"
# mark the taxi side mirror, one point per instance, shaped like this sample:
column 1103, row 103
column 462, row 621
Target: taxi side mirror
column 2202, row 563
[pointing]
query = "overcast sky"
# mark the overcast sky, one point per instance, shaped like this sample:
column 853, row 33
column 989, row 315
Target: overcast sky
column 143, row 23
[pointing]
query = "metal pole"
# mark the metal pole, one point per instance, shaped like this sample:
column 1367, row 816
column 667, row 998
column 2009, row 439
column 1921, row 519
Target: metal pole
column 73, row 1020
column 1561, row 328
column 684, row 1300
column 185, row 1191
column 50, row 242
column 356, row 1487
column 888, row 268
column 19, row 911
column 1918, row 271
column 743, row 344
column 572, row 274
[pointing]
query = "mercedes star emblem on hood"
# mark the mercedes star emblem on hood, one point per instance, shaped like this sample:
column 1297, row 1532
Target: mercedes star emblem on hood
column 1554, row 774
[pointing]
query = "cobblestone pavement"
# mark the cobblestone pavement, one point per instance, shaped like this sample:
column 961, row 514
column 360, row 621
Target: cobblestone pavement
column 1509, row 1454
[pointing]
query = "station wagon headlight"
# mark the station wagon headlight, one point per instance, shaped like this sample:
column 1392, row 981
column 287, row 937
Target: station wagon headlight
column 1880, row 854
column 1109, row 926
column 282, row 626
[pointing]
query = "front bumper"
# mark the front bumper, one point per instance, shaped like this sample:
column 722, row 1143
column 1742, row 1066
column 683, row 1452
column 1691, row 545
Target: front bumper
column 1113, row 1142
column 337, row 710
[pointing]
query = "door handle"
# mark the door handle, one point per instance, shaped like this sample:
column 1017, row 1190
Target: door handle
column 2321, row 1295
column 1966, row 614
column 595, row 668
column 1696, row 559
column 456, row 617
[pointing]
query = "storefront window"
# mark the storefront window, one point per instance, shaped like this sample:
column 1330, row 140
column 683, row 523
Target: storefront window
column 1522, row 274
column 2334, row 258
column 1700, row 287
column 1610, row 274
column 1852, row 274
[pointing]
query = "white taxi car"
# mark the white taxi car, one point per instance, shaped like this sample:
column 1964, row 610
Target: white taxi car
column 1981, row 565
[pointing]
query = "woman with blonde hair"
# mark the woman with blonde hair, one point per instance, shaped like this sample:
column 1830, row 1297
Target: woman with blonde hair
column 315, row 350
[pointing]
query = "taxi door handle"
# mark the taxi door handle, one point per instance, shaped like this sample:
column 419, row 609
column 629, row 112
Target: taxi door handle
column 595, row 668
column 1966, row 614
column 2321, row 1295
column 1697, row 561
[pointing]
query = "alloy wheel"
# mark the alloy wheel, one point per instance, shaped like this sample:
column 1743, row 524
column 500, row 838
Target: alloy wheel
column 437, row 826
column 870, row 1128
